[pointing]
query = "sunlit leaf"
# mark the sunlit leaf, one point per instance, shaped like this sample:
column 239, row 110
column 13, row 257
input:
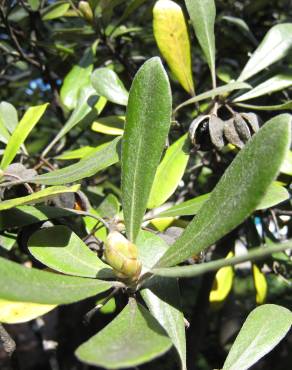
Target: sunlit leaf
column 8, row 116
column 171, row 34
column 263, row 329
column 202, row 14
column 26, row 124
column 215, row 92
column 77, row 78
column 86, row 167
column 260, row 284
column 275, row 83
column 55, row 10
column 287, row 164
column 222, row 283
column 107, row 84
column 111, row 125
column 169, row 172
column 38, row 197
column 275, row 46
column 275, row 194
column 18, row 312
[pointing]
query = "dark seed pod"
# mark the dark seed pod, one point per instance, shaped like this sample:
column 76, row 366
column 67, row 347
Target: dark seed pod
column 216, row 130
column 231, row 134
column 252, row 120
column 242, row 128
column 199, row 133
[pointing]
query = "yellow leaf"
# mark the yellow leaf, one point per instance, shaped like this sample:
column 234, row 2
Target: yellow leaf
column 162, row 223
column 260, row 284
column 111, row 125
column 171, row 35
column 222, row 283
column 18, row 312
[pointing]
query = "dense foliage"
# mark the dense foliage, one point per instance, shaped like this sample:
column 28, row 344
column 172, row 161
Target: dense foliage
column 145, row 180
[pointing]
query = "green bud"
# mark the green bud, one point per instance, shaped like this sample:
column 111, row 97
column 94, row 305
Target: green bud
column 122, row 256
column 86, row 11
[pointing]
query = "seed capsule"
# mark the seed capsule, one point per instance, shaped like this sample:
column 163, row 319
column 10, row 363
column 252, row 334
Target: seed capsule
column 252, row 120
column 216, row 127
column 242, row 128
column 199, row 133
column 122, row 256
column 231, row 134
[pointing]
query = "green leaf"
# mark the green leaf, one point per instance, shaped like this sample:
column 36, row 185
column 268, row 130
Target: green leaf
column 187, row 208
column 215, row 92
column 238, row 192
column 147, row 242
column 275, row 194
column 27, row 215
column 276, row 83
column 109, row 207
column 287, row 164
column 107, row 83
column 80, row 153
column 56, row 10
column 203, row 268
column 202, row 14
column 284, row 106
column 147, row 125
column 111, row 125
column 132, row 338
column 34, row 4
column 86, row 103
column 163, row 300
column 86, row 167
column 8, row 115
column 60, row 249
column 77, row 79
column 169, row 172
column 26, row 124
column 263, row 329
column 38, row 197
column 24, row 284
column 275, row 46
column 171, row 35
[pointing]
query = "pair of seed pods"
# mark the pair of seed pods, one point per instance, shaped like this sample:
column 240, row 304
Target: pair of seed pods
column 208, row 131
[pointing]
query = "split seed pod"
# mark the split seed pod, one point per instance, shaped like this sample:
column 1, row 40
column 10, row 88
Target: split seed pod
column 242, row 128
column 199, row 133
column 216, row 128
column 122, row 256
column 252, row 120
column 206, row 131
column 231, row 134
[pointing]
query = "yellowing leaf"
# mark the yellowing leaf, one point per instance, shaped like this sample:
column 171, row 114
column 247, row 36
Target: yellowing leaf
column 171, row 35
column 222, row 283
column 162, row 223
column 260, row 284
column 111, row 125
column 17, row 312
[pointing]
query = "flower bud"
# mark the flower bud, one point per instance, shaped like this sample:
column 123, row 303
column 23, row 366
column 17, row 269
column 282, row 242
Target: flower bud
column 86, row 11
column 122, row 256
